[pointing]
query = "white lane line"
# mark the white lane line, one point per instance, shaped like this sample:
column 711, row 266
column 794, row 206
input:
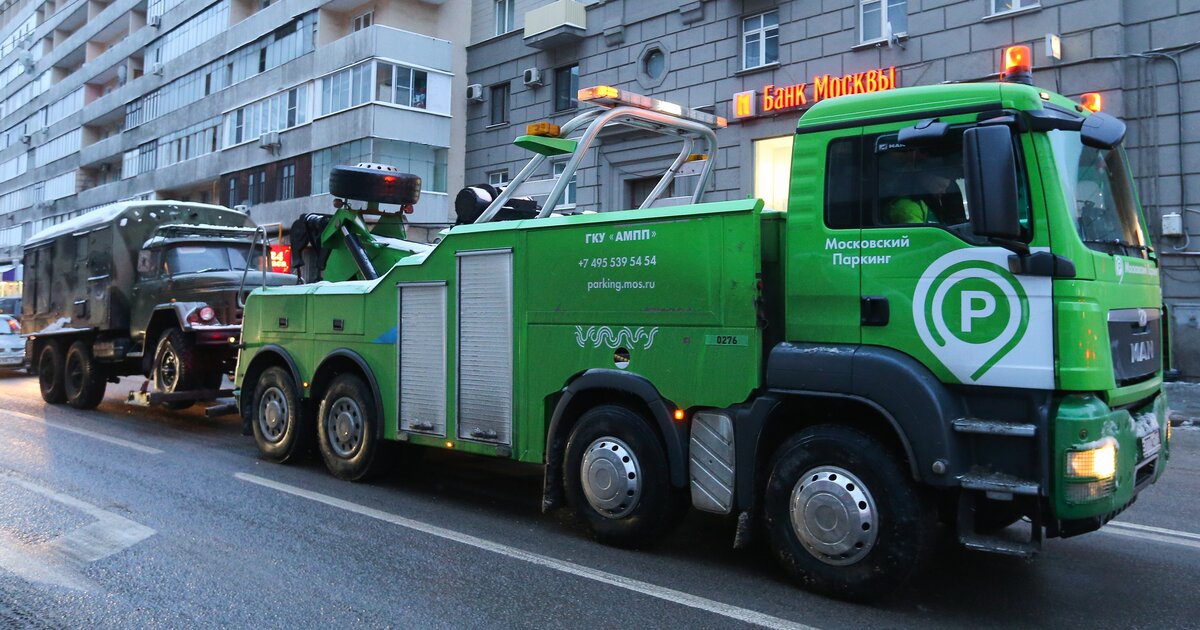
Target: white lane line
column 686, row 599
column 1155, row 534
column 141, row 448
column 59, row 561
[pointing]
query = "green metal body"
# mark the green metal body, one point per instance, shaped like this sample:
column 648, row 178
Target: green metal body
column 700, row 281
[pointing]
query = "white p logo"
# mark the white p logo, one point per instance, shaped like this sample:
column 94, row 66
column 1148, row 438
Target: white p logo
column 969, row 310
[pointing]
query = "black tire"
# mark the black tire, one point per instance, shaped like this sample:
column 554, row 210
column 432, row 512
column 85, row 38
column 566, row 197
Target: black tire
column 373, row 183
column 50, row 373
column 282, row 429
column 879, row 528
column 347, row 429
column 176, row 367
column 84, row 378
column 621, row 514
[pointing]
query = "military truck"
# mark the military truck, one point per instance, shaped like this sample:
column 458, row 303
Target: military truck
column 890, row 358
column 144, row 287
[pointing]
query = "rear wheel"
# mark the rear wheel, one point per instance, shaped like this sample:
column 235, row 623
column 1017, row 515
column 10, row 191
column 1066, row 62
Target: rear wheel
column 84, row 379
column 616, row 476
column 175, row 366
column 50, row 373
column 844, row 517
column 347, row 429
column 281, row 430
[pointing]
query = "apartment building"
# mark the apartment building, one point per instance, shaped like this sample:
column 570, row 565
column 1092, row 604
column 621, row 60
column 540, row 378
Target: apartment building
column 236, row 102
column 750, row 61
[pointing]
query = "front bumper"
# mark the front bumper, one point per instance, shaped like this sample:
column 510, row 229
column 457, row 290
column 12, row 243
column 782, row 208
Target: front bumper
column 228, row 336
column 12, row 360
column 1082, row 422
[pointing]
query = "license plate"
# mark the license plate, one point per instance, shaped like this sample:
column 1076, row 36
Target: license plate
column 1151, row 444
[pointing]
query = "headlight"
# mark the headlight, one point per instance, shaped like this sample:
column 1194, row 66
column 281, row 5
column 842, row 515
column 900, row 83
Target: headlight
column 207, row 314
column 1096, row 463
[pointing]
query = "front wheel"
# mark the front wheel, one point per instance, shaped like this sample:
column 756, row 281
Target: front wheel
column 84, row 380
column 281, row 429
column 617, row 478
column 844, row 517
column 347, row 429
column 175, row 366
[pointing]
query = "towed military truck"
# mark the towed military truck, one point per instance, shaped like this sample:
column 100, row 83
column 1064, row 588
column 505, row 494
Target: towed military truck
column 954, row 328
column 144, row 287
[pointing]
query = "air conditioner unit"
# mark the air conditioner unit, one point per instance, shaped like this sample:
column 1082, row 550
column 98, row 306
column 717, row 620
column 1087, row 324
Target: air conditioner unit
column 156, row 69
column 27, row 60
column 26, row 138
column 270, row 141
column 154, row 21
column 533, row 77
column 475, row 92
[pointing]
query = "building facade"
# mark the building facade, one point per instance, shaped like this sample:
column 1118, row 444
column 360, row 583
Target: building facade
column 760, row 62
column 236, row 102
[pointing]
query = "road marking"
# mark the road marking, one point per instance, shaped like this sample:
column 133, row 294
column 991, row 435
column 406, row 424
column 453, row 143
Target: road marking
column 659, row 592
column 141, row 448
column 1155, row 534
column 59, row 561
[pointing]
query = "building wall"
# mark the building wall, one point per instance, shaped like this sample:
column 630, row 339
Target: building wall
column 1103, row 44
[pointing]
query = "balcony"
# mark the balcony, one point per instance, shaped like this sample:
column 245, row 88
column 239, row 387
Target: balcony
column 555, row 24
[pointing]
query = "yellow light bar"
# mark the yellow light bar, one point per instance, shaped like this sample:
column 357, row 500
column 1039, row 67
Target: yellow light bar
column 1096, row 463
column 1092, row 101
column 543, row 128
column 609, row 96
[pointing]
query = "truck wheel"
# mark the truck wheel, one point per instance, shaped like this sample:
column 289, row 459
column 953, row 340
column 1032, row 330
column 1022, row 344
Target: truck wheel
column 617, row 478
column 50, row 373
column 84, row 379
column 346, row 430
column 174, row 366
column 281, row 429
column 844, row 517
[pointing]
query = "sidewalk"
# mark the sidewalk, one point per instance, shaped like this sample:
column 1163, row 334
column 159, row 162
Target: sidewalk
column 1184, row 402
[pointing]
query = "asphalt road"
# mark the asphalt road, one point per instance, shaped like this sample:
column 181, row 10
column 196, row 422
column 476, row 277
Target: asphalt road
column 127, row 517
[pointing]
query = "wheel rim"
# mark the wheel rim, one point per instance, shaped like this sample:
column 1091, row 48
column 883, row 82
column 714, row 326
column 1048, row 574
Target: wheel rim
column 46, row 371
column 834, row 515
column 168, row 370
column 74, row 373
column 344, row 427
column 273, row 414
column 611, row 477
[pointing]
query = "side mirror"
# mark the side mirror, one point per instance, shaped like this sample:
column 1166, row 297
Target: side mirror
column 991, row 178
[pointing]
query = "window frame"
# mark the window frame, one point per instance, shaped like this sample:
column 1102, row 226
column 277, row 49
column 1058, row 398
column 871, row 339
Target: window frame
column 504, row 89
column 565, row 74
column 505, row 16
column 364, row 20
column 503, row 173
column 571, row 191
column 1021, row 6
column 884, row 8
column 764, row 32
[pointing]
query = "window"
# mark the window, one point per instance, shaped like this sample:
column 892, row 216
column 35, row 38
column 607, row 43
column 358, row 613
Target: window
column 251, row 191
column 879, row 19
column 1004, row 6
column 772, row 171
column 568, row 196
column 654, row 63
column 346, row 88
column 363, row 21
column 566, row 88
column 504, row 16
column 287, row 182
column 760, row 40
column 401, row 85
column 498, row 178
column 499, row 105
column 233, row 193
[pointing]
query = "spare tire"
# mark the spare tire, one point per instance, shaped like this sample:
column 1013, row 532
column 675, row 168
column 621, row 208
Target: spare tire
column 377, row 183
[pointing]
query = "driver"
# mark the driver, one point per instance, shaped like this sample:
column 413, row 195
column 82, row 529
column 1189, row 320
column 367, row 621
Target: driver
column 933, row 195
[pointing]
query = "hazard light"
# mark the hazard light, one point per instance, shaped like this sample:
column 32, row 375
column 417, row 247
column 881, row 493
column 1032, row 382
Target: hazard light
column 546, row 129
column 1092, row 101
column 609, row 96
column 1018, row 65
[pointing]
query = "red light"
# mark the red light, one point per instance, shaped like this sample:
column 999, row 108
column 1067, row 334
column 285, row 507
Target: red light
column 1092, row 101
column 1018, row 64
column 388, row 179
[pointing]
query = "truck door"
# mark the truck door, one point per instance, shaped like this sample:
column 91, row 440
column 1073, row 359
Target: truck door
column 944, row 295
column 823, row 247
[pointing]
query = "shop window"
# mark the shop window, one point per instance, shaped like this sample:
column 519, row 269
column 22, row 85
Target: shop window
column 880, row 19
column 504, row 16
column 566, row 88
column 1004, row 6
column 760, row 40
column 772, row 171
column 498, row 105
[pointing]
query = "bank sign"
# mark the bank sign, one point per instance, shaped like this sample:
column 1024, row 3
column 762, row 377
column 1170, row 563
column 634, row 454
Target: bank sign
column 776, row 98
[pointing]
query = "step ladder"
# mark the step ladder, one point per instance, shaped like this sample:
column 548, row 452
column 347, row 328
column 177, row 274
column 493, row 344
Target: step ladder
column 980, row 485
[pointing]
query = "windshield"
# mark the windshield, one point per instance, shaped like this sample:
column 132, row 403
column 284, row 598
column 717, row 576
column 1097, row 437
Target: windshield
column 1099, row 196
column 209, row 257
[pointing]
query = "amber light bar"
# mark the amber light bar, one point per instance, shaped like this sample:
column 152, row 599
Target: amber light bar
column 609, row 96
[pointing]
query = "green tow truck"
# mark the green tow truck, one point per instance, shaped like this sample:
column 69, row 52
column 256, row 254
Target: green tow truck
column 843, row 378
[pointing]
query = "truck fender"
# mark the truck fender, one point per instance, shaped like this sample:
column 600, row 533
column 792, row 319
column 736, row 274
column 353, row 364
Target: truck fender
column 919, row 408
column 346, row 354
column 265, row 354
column 675, row 435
